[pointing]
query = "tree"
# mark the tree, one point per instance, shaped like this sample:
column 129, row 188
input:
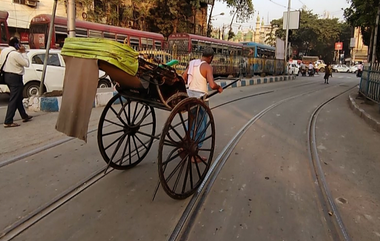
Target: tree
column 362, row 13
column 270, row 38
column 115, row 12
column 242, row 10
column 172, row 16
column 315, row 36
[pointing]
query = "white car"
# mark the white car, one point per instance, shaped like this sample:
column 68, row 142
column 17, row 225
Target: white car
column 55, row 73
column 293, row 69
column 354, row 68
column 341, row 68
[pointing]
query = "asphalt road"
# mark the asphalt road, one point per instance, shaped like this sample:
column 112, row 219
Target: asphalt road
column 265, row 190
column 3, row 100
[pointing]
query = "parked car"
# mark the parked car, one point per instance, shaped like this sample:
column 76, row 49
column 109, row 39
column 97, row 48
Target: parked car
column 320, row 65
column 293, row 69
column 354, row 68
column 341, row 68
column 54, row 75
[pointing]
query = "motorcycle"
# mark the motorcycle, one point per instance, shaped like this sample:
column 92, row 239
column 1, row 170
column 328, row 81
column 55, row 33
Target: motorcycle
column 311, row 72
column 303, row 72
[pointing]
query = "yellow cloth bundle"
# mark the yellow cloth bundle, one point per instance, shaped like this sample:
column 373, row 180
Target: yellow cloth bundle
column 115, row 53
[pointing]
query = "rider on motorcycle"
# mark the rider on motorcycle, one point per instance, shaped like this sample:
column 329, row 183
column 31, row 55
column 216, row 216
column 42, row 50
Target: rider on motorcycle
column 311, row 69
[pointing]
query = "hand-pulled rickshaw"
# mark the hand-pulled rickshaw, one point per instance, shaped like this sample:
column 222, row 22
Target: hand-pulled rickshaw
column 127, row 126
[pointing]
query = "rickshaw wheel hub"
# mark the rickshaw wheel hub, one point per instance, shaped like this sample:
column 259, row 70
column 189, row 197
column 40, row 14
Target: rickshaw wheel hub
column 131, row 130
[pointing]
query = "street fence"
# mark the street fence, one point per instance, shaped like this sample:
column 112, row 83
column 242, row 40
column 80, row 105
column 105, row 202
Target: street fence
column 370, row 82
column 224, row 64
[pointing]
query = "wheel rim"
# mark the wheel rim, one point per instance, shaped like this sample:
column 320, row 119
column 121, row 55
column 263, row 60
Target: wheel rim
column 126, row 132
column 33, row 90
column 180, row 172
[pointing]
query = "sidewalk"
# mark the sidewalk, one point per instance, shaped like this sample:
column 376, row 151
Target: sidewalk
column 367, row 110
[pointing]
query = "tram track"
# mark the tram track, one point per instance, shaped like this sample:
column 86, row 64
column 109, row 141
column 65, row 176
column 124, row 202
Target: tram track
column 68, row 139
column 38, row 214
column 187, row 220
column 319, row 174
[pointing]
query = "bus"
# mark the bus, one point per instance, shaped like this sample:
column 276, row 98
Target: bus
column 261, row 59
column 186, row 47
column 4, row 33
column 137, row 39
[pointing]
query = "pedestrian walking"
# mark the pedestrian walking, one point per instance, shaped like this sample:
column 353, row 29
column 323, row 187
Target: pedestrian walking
column 14, row 59
column 328, row 71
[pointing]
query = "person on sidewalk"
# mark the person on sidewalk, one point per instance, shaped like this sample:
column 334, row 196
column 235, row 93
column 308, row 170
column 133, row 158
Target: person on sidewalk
column 197, row 74
column 15, row 60
column 327, row 73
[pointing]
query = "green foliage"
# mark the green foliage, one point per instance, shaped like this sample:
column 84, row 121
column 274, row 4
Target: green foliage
column 315, row 36
column 169, row 16
column 242, row 10
column 362, row 13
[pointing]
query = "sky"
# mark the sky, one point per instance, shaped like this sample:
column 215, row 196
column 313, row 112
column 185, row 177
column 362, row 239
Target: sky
column 274, row 9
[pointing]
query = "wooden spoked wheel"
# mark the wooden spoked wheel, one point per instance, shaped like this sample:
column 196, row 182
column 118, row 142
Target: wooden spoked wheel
column 126, row 132
column 186, row 148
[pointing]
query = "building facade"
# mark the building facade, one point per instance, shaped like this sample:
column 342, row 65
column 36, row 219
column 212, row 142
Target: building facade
column 22, row 11
column 360, row 51
column 259, row 34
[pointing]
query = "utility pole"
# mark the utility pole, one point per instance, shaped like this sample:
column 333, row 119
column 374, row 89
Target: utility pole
column 71, row 18
column 287, row 33
column 42, row 82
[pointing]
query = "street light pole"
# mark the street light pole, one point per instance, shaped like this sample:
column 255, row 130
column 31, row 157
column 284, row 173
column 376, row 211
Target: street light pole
column 287, row 33
column 71, row 18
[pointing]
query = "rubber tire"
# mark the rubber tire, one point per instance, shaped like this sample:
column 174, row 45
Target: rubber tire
column 31, row 85
column 104, row 83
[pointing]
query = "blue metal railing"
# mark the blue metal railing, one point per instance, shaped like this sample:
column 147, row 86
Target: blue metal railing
column 370, row 82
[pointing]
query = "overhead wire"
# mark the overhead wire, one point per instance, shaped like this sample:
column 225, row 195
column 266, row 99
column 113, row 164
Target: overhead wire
column 302, row 3
column 280, row 4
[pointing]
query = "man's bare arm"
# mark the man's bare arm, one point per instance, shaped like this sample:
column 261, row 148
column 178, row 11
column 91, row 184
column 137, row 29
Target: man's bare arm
column 210, row 79
column 184, row 75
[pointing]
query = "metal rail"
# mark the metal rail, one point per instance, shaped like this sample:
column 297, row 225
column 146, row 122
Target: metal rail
column 21, row 225
column 186, row 221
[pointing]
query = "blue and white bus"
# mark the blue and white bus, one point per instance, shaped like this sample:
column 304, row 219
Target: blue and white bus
column 261, row 59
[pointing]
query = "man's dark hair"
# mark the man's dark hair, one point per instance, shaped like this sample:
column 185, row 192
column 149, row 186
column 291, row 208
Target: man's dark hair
column 208, row 52
column 13, row 41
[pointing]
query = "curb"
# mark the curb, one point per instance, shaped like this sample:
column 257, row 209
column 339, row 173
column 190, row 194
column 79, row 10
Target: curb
column 362, row 114
column 53, row 104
